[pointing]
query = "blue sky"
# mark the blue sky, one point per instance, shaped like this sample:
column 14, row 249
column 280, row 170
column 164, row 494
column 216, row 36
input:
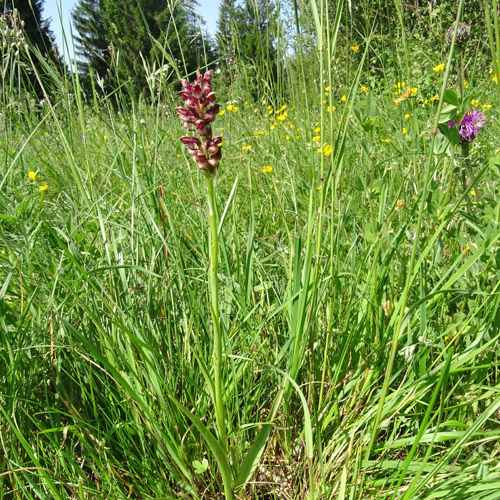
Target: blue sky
column 59, row 10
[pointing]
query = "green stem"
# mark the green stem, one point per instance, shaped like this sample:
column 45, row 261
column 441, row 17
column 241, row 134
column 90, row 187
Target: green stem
column 217, row 346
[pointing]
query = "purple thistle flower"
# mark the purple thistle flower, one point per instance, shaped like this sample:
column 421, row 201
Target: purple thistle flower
column 200, row 110
column 472, row 125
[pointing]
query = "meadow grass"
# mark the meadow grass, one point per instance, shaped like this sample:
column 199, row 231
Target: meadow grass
column 358, row 288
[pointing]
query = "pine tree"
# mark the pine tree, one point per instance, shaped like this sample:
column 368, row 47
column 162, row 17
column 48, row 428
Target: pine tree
column 246, row 35
column 92, row 41
column 131, row 26
column 226, row 28
column 182, row 37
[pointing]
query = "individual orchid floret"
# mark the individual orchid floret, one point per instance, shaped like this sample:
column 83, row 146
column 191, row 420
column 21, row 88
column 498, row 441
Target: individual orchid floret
column 199, row 112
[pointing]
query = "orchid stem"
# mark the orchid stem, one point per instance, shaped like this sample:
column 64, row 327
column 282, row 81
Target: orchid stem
column 214, row 308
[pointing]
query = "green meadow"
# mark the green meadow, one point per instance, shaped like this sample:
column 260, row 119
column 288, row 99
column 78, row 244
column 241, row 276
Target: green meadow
column 318, row 318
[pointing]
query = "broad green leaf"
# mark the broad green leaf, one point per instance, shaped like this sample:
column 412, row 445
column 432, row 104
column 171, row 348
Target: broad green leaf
column 448, row 114
column 450, row 97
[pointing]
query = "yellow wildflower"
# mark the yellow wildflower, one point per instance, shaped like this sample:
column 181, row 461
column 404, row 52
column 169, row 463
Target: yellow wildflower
column 43, row 188
column 282, row 117
column 405, row 131
column 267, row 169
column 231, row 107
column 407, row 116
column 327, row 149
column 439, row 67
column 364, row 89
column 246, row 147
column 343, row 98
column 222, row 112
column 316, row 138
column 32, row 176
column 354, row 48
column 400, row 204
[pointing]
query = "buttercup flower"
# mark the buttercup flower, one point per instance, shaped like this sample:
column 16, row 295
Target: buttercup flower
column 43, row 188
column 199, row 112
column 32, row 175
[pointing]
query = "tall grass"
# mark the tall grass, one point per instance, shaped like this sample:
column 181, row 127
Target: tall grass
column 357, row 283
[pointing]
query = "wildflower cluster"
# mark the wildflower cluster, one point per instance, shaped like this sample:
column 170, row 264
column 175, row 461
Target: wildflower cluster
column 404, row 95
column 200, row 111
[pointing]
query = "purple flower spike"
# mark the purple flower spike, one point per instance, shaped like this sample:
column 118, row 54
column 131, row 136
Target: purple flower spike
column 199, row 111
column 472, row 125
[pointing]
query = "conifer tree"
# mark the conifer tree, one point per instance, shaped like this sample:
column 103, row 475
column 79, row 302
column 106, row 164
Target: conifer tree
column 91, row 37
column 131, row 26
column 246, row 35
column 182, row 36
column 226, row 28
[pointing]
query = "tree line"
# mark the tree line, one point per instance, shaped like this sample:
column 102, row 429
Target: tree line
column 122, row 42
